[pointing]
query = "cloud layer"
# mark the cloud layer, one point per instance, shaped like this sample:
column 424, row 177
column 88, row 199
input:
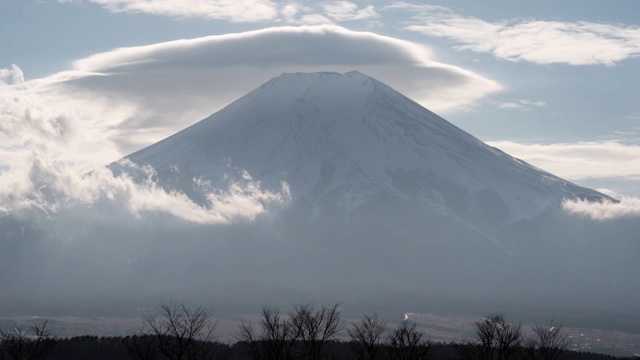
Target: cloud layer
column 243, row 11
column 530, row 40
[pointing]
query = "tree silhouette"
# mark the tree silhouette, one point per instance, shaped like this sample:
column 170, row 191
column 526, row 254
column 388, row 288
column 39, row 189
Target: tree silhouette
column 406, row 342
column 367, row 338
column 27, row 343
column 183, row 333
column 277, row 339
column 316, row 326
column 548, row 342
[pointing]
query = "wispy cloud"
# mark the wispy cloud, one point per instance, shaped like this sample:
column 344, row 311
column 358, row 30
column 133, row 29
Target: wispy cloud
column 243, row 11
column 228, row 10
column 523, row 105
column 346, row 11
column 11, row 76
column 530, row 40
column 580, row 160
column 297, row 14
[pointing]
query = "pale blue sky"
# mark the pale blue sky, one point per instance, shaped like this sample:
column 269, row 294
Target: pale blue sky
column 553, row 82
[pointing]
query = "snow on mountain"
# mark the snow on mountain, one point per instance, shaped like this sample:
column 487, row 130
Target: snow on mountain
column 343, row 139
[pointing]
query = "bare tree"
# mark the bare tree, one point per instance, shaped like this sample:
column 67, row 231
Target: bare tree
column 406, row 342
column 496, row 339
column 27, row 343
column 184, row 333
column 277, row 339
column 367, row 337
column 316, row 326
column 548, row 342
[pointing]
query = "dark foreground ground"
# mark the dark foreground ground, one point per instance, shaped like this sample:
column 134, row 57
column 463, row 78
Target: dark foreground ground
column 111, row 348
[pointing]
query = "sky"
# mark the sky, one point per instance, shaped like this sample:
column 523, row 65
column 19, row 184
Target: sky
column 86, row 82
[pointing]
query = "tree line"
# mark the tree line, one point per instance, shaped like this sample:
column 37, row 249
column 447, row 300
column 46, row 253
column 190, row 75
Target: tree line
column 308, row 332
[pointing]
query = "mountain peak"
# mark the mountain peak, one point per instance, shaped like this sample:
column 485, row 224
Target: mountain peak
column 350, row 74
column 299, row 82
column 328, row 84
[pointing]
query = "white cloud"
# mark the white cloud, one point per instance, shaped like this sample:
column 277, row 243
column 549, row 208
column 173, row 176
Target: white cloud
column 531, row 40
column 312, row 19
column 523, row 104
column 347, row 11
column 229, row 10
column 11, row 76
column 612, row 193
column 290, row 10
column 41, row 186
column 415, row 8
column 242, row 11
column 581, row 160
column 606, row 210
column 45, row 171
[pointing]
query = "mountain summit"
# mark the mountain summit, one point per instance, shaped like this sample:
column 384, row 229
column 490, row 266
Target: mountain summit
column 341, row 140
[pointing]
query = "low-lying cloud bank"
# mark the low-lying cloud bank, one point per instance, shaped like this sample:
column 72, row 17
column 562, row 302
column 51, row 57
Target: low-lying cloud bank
column 46, row 188
column 606, row 210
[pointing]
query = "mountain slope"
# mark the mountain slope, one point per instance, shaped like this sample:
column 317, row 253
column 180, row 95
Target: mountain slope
column 342, row 139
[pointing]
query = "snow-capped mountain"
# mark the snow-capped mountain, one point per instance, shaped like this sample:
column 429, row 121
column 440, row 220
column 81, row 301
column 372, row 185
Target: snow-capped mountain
column 339, row 140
